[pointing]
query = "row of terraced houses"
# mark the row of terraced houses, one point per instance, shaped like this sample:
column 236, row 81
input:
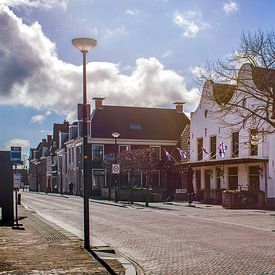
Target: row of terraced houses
column 221, row 157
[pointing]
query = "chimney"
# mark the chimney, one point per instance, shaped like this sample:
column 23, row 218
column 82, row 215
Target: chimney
column 98, row 103
column 179, row 107
column 66, row 124
column 49, row 139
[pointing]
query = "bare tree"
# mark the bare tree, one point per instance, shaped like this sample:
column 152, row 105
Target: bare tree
column 244, row 83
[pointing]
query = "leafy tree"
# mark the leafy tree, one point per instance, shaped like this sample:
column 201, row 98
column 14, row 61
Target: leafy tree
column 246, row 76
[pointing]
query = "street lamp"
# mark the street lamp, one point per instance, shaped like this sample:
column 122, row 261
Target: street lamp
column 84, row 45
column 116, row 135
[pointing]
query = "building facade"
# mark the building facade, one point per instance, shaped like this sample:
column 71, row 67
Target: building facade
column 225, row 156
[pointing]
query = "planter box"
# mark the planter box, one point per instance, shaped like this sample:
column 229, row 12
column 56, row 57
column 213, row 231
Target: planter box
column 243, row 200
column 139, row 195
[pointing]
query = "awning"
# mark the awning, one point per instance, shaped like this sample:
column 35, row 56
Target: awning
column 222, row 162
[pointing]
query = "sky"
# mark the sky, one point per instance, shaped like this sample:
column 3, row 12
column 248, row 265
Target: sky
column 149, row 53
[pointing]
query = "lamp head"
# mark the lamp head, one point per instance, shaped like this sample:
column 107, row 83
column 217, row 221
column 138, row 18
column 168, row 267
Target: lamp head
column 115, row 135
column 84, row 44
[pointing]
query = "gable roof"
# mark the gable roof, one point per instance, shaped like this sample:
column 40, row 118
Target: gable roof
column 263, row 78
column 138, row 123
column 223, row 92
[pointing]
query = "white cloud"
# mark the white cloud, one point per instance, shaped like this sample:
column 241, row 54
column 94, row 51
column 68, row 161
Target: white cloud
column 37, row 118
column 131, row 12
column 24, row 143
column 190, row 22
column 113, row 33
column 40, row 118
column 167, row 54
column 46, row 4
column 28, row 75
column 197, row 71
column 230, row 7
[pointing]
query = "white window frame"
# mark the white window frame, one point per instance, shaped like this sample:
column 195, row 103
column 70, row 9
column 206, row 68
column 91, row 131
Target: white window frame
column 93, row 151
column 121, row 145
column 159, row 147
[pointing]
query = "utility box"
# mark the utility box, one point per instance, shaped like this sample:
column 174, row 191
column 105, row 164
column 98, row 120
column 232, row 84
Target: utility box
column 6, row 187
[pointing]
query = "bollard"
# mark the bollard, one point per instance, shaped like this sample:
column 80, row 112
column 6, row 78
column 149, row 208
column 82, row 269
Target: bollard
column 19, row 198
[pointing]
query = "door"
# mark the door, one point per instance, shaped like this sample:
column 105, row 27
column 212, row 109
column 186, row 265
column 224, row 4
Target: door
column 254, row 179
column 207, row 176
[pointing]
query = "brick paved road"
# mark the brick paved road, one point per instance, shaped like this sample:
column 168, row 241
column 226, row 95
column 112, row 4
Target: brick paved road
column 177, row 241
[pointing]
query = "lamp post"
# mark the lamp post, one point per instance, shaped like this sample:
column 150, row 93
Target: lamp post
column 84, row 45
column 116, row 135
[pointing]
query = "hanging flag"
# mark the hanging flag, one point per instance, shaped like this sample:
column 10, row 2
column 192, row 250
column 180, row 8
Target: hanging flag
column 204, row 150
column 222, row 148
column 169, row 156
column 182, row 153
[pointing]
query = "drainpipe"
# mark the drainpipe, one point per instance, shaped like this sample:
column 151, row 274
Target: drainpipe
column 266, row 187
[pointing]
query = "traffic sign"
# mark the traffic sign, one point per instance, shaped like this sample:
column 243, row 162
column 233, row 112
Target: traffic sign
column 115, row 168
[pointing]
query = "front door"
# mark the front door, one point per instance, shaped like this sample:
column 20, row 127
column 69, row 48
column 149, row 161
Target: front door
column 207, row 176
column 254, row 179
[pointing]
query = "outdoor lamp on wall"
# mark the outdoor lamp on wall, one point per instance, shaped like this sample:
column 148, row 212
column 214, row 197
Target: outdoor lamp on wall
column 115, row 135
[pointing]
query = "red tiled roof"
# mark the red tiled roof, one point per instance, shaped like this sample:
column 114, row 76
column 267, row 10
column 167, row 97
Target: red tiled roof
column 146, row 123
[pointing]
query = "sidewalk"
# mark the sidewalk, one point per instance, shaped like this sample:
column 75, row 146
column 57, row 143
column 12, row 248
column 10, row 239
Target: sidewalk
column 43, row 249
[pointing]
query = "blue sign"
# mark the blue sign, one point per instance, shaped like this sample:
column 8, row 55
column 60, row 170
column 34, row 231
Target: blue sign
column 15, row 155
column 110, row 158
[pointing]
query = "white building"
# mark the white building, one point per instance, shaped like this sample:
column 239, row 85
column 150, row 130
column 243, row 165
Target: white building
column 246, row 164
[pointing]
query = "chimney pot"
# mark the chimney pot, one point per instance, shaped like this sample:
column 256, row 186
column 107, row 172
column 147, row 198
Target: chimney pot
column 98, row 103
column 179, row 107
column 49, row 138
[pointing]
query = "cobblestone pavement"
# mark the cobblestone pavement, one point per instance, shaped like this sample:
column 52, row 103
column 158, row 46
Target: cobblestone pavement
column 43, row 248
column 174, row 239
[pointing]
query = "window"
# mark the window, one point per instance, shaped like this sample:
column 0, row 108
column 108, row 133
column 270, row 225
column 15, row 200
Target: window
column 72, row 154
column 156, row 152
column 78, row 154
column 155, row 179
column 213, row 146
column 235, row 144
column 233, row 178
column 199, row 148
column 254, row 146
column 98, row 180
column 98, row 152
column 69, row 153
column 123, row 148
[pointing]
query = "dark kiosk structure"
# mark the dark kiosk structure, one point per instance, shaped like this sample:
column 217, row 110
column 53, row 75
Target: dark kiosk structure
column 6, row 187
